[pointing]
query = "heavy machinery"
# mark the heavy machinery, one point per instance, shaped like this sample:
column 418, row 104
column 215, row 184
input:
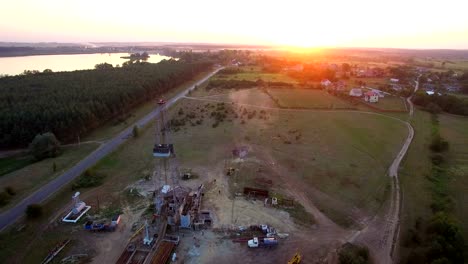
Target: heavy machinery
column 296, row 259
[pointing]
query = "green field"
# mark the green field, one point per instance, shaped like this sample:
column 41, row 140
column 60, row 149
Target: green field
column 391, row 103
column 414, row 184
column 457, row 64
column 455, row 130
column 302, row 98
column 31, row 177
column 251, row 96
column 13, row 163
column 344, row 156
column 254, row 73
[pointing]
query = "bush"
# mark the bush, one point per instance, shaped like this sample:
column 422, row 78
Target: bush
column 353, row 254
column 44, row 146
column 135, row 131
column 437, row 158
column 34, row 211
column 4, row 198
column 438, row 144
column 10, row 190
column 88, row 179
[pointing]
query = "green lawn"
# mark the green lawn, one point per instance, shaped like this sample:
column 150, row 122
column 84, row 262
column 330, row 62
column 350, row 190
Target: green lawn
column 303, row 98
column 254, row 73
column 391, row 103
column 13, row 163
column 413, row 182
column 455, row 130
column 31, row 177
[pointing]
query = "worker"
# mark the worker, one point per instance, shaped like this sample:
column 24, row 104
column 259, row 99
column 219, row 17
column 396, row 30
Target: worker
column 219, row 191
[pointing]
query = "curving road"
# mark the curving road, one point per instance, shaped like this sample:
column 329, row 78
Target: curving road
column 13, row 214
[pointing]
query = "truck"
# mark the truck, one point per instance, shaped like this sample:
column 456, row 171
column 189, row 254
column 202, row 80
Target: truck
column 262, row 242
column 91, row 226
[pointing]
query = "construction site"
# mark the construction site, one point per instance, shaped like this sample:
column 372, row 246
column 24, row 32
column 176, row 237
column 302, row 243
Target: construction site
column 255, row 186
column 183, row 223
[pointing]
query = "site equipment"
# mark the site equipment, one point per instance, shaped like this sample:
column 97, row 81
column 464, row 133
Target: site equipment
column 296, row 259
column 262, row 242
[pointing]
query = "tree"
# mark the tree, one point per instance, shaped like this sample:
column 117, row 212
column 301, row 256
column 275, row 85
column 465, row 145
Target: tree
column 103, row 66
column 44, row 146
column 135, row 131
column 34, row 211
column 345, row 67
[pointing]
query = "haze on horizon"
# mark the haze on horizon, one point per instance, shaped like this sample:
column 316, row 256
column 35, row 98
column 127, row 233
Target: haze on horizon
column 331, row 23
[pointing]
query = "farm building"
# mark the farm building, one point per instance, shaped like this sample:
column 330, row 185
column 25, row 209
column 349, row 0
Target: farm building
column 355, row 92
column 371, row 97
column 393, row 80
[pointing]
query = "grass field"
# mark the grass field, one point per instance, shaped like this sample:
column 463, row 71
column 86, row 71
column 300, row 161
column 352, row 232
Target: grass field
column 460, row 65
column 455, row 130
column 391, row 103
column 254, row 73
column 302, row 98
column 31, row 177
column 344, row 156
column 413, row 172
column 13, row 163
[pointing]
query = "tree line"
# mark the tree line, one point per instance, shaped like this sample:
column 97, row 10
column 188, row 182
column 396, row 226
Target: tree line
column 73, row 103
column 437, row 103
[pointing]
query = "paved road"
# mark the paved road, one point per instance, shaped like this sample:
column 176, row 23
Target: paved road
column 13, row 214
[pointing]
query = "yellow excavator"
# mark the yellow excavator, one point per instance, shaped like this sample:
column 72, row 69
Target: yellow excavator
column 296, row 259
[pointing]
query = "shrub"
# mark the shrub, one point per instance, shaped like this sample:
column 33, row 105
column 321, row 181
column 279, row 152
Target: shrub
column 438, row 144
column 44, row 146
column 34, row 211
column 437, row 158
column 88, row 179
column 10, row 190
column 4, row 198
column 135, row 131
column 353, row 254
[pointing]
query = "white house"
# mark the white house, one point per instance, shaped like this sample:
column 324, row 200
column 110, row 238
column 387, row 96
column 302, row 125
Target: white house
column 379, row 93
column 371, row 97
column 393, row 80
column 355, row 92
column 325, row 82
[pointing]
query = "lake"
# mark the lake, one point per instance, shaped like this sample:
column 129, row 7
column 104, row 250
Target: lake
column 17, row 65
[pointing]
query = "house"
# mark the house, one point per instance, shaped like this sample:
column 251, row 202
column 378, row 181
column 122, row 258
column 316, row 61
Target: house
column 379, row 93
column 371, row 97
column 393, row 80
column 355, row 92
column 325, row 82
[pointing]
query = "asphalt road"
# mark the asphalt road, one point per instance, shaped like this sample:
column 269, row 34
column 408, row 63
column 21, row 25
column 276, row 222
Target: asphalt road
column 13, row 214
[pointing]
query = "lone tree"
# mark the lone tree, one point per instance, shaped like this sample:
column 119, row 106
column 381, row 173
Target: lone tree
column 44, row 146
column 34, row 211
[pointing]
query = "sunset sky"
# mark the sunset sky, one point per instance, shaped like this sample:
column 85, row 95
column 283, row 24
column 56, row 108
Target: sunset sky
column 331, row 23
